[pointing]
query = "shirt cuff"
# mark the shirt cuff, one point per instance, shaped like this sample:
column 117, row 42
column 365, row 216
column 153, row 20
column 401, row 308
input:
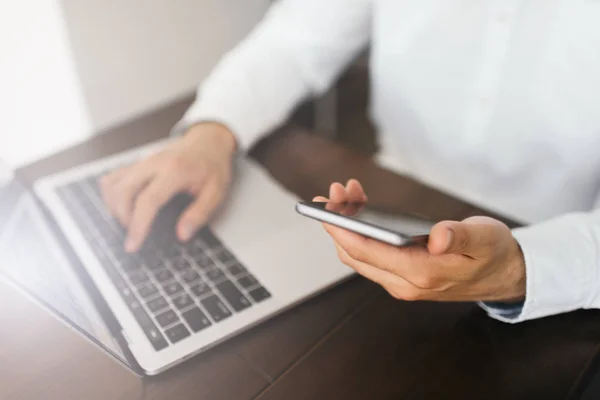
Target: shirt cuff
column 194, row 116
column 554, row 284
column 245, row 126
column 507, row 312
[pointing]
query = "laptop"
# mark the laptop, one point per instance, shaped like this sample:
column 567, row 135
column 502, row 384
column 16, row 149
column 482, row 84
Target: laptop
column 170, row 301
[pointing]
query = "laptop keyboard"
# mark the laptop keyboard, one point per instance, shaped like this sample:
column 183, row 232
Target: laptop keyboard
column 173, row 289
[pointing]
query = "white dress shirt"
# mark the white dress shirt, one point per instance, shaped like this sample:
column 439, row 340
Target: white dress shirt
column 496, row 102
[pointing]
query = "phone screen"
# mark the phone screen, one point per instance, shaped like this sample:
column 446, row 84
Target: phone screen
column 405, row 224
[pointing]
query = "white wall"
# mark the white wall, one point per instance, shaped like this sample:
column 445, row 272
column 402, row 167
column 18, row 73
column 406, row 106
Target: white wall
column 71, row 67
column 41, row 102
column 133, row 55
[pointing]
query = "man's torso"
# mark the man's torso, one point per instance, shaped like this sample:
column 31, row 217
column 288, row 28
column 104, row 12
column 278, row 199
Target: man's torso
column 497, row 101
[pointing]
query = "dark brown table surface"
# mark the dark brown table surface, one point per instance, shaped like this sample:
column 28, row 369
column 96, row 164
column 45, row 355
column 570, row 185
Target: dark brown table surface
column 351, row 342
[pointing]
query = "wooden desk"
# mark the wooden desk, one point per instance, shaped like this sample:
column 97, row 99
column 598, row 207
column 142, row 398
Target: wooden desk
column 352, row 342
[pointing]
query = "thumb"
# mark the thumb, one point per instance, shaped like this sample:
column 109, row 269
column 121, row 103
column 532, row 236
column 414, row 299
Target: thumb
column 471, row 237
column 197, row 214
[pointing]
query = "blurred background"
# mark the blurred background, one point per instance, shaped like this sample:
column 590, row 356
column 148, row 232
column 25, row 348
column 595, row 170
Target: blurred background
column 71, row 68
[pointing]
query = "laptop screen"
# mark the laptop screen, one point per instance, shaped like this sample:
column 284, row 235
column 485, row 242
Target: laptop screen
column 32, row 259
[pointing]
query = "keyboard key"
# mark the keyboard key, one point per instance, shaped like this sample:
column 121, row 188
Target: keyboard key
column 147, row 290
column 216, row 308
column 196, row 319
column 114, row 274
column 195, row 251
column 117, row 251
column 204, row 261
column 236, row 269
column 172, row 252
column 141, row 315
column 124, row 289
column 120, row 229
column 134, row 304
column 225, row 257
column 112, row 234
column 247, row 281
column 133, row 272
column 177, row 333
column 163, row 275
column 167, row 318
column 206, row 235
column 148, row 251
column 172, row 288
column 215, row 274
column 155, row 337
column 154, row 263
column 130, row 269
column 150, row 330
column 138, row 277
column 195, row 244
column 233, row 296
column 157, row 304
column 190, row 276
column 200, row 289
column 130, row 264
column 181, row 264
column 259, row 294
column 183, row 301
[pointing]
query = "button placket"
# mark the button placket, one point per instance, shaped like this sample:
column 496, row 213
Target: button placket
column 496, row 47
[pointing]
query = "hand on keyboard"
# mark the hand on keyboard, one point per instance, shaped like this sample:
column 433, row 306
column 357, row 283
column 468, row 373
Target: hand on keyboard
column 173, row 290
column 199, row 163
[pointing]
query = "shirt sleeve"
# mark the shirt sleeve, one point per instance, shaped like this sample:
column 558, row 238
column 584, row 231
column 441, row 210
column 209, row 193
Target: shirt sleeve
column 297, row 50
column 562, row 262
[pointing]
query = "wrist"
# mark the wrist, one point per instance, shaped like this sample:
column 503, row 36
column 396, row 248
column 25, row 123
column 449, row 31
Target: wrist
column 516, row 275
column 213, row 131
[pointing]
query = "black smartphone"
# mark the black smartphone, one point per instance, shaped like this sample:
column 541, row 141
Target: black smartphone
column 389, row 227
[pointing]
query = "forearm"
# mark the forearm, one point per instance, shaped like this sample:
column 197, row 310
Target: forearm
column 296, row 51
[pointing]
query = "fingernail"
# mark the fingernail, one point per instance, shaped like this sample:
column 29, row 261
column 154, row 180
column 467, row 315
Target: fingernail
column 130, row 245
column 186, row 232
column 449, row 237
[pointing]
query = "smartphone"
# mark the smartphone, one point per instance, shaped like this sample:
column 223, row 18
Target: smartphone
column 392, row 228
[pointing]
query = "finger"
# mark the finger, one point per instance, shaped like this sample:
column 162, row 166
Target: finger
column 395, row 285
column 337, row 193
column 356, row 193
column 410, row 263
column 123, row 193
column 440, row 238
column 147, row 205
column 335, row 207
column 374, row 274
column 321, row 199
column 350, row 209
column 359, row 247
column 113, row 176
column 199, row 211
column 106, row 184
column 473, row 237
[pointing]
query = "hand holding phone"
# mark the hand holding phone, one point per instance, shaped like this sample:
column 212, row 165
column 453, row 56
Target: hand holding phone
column 476, row 259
